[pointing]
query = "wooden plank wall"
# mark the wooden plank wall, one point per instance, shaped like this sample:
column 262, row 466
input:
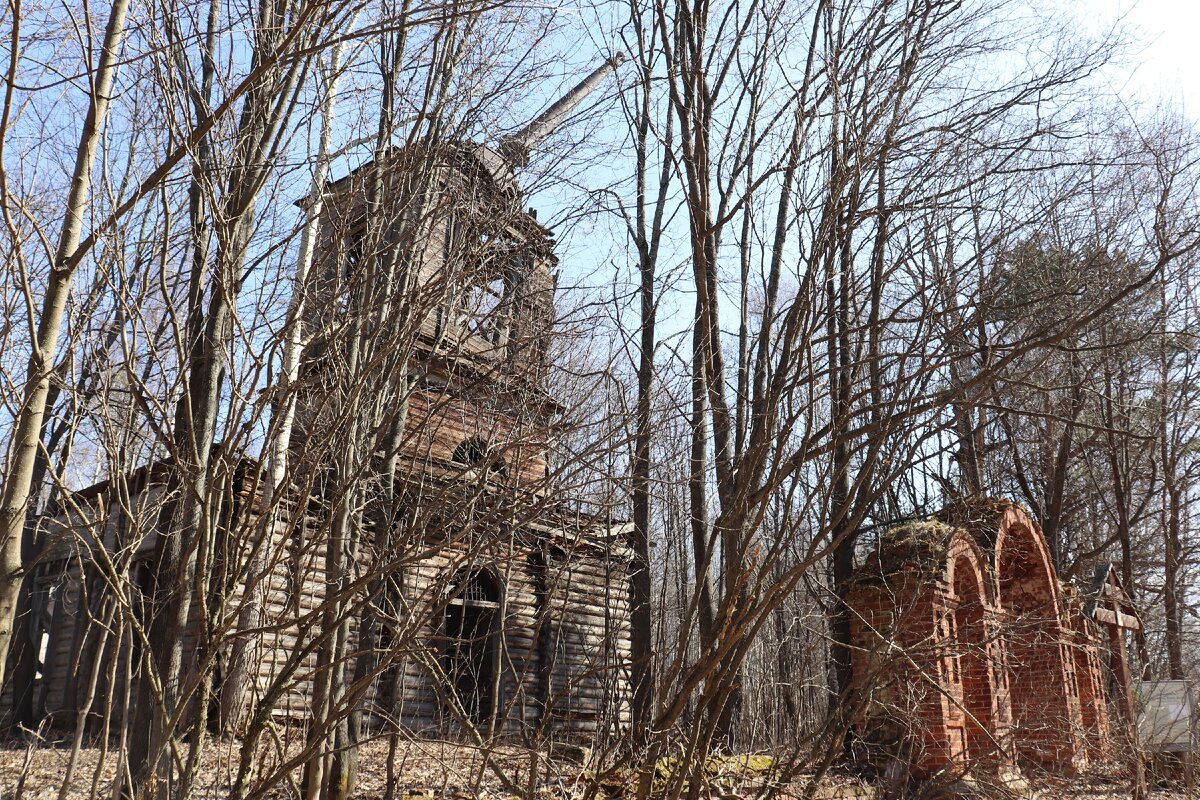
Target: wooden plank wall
column 291, row 591
column 564, row 637
column 572, row 650
column 438, row 424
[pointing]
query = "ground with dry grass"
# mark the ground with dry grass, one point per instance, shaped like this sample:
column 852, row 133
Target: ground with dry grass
column 34, row 769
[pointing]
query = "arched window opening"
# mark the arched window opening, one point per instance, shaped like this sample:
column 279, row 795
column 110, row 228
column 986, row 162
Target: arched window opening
column 471, row 630
column 477, row 451
column 473, row 265
column 483, row 310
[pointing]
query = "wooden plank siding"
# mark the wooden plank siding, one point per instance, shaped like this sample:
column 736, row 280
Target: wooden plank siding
column 563, row 637
column 438, row 425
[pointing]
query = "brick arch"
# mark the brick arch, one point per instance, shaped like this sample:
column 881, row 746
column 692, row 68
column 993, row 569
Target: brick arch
column 1029, row 604
column 963, row 553
column 1020, row 542
column 976, row 717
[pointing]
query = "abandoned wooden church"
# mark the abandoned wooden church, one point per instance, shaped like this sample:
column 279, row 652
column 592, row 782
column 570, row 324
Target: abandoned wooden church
column 467, row 588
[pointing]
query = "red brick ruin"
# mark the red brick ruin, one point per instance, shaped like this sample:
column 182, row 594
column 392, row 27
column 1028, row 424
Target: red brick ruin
column 972, row 656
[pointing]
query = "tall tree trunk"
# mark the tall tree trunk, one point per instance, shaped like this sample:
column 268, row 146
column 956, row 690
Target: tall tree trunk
column 23, row 656
column 1171, row 511
column 1054, row 501
column 642, row 633
column 1172, row 608
column 698, row 506
column 18, row 479
column 842, row 535
column 187, row 517
column 234, row 689
column 188, row 513
column 646, row 231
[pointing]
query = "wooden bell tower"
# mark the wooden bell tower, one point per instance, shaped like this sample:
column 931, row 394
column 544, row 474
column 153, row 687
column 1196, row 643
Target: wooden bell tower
column 434, row 273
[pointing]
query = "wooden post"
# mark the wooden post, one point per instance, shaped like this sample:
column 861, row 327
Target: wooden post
column 1120, row 667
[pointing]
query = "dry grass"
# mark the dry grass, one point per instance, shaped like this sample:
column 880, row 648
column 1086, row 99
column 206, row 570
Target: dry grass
column 421, row 767
column 426, row 768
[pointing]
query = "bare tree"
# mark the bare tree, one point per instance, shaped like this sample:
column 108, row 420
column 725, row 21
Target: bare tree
column 47, row 322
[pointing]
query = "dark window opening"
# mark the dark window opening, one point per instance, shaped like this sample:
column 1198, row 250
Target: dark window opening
column 349, row 263
column 451, row 241
column 354, row 256
column 43, row 600
column 476, row 451
column 471, row 630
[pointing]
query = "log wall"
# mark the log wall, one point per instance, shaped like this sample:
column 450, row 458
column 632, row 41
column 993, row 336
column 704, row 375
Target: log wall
column 563, row 641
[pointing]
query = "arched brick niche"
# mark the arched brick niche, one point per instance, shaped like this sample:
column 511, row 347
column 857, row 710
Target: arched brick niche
column 976, row 718
column 925, row 624
column 1043, row 694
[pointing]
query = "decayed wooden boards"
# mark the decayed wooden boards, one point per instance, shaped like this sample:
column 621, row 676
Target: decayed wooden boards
column 562, row 642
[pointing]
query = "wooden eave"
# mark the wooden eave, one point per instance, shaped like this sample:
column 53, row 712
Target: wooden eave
column 444, row 370
column 552, row 518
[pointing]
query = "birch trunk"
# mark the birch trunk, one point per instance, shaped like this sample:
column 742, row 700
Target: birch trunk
column 234, row 700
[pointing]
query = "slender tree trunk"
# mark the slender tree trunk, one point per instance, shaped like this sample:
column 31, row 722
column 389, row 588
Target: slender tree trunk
column 839, row 496
column 234, row 690
column 23, row 655
column 188, row 514
column 1171, row 513
column 18, row 479
column 647, row 230
column 642, row 633
column 186, row 518
column 698, row 505
column 1172, row 608
column 1053, row 505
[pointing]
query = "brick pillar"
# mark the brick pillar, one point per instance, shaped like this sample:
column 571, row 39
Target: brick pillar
column 899, row 662
column 1092, row 707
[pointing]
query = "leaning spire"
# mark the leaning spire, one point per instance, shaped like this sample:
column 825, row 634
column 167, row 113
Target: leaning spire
column 516, row 148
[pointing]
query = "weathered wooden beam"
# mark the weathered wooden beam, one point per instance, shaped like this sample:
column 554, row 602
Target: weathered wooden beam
column 1120, row 619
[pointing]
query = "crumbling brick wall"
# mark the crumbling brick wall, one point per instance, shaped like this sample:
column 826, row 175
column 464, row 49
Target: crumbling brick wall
column 969, row 654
